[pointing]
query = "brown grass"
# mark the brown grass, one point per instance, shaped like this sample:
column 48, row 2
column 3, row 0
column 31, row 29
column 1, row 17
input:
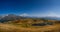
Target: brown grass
column 13, row 28
column 25, row 26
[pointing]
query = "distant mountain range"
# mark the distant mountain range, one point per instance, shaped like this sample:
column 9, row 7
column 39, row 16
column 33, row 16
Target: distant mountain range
column 10, row 17
column 52, row 18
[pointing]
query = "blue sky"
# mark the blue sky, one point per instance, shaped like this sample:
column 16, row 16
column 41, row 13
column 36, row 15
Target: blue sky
column 37, row 8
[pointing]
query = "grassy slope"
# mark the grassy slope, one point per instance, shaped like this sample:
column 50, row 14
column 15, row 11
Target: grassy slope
column 13, row 28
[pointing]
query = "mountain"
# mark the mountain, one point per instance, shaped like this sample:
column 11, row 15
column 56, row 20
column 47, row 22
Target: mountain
column 10, row 17
column 52, row 18
column 1, row 17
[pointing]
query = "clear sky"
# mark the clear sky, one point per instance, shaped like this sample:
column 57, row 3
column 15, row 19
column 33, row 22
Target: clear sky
column 31, row 7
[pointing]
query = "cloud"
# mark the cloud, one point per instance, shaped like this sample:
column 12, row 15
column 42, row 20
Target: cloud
column 48, row 14
column 24, row 14
column 52, row 14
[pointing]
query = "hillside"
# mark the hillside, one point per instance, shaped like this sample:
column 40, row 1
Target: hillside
column 18, row 28
column 30, row 25
column 14, row 23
